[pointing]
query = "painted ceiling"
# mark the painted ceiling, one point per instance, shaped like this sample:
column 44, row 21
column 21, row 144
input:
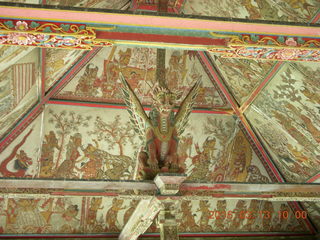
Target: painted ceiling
column 83, row 131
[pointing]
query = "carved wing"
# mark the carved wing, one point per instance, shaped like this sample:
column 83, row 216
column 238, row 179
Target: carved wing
column 181, row 118
column 138, row 116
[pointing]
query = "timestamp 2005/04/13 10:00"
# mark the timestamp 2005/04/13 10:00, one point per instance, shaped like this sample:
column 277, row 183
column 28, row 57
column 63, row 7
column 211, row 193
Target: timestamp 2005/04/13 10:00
column 255, row 214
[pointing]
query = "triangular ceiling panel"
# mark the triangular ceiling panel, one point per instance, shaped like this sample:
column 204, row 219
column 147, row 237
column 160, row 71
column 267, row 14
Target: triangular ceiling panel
column 19, row 86
column 99, row 79
column 58, row 61
column 242, row 76
column 216, row 150
column 20, row 158
column 82, row 143
column 293, row 11
column 286, row 116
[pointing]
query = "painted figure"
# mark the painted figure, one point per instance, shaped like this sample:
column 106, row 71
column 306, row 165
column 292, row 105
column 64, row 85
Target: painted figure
column 47, row 156
column 112, row 215
column 188, row 223
column 161, row 129
column 202, row 160
column 91, row 168
column 67, row 167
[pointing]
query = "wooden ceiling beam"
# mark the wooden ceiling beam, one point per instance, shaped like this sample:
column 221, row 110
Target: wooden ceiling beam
column 212, row 24
column 61, row 101
column 222, row 187
column 261, row 86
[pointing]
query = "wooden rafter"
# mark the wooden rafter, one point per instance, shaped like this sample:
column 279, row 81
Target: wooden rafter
column 123, row 106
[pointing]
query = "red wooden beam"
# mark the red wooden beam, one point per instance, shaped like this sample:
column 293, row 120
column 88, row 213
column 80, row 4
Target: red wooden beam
column 122, row 106
column 162, row 39
column 256, row 92
column 314, row 178
column 171, row 22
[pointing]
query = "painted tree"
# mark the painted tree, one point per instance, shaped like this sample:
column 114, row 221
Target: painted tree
column 66, row 123
column 114, row 133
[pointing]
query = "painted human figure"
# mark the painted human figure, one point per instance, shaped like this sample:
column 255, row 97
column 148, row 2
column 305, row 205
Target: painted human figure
column 67, row 167
column 112, row 215
column 188, row 223
column 66, row 221
column 47, row 156
column 91, row 168
column 129, row 212
column 87, row 80
column 29, row 219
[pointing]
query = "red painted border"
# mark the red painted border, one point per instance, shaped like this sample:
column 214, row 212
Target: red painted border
column 314, row 178
column 108, row 105
column 296, row 207
column 161, row 38
column 256, row 92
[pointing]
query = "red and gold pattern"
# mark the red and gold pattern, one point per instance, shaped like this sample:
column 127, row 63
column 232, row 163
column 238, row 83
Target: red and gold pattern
column 278, row 48
column 49, row 35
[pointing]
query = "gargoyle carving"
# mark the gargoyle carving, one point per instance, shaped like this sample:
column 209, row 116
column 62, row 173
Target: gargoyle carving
column 161, row 128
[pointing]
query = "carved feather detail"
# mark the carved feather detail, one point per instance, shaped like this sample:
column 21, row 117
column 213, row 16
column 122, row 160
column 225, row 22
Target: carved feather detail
column 181, row 118
column 137, row 114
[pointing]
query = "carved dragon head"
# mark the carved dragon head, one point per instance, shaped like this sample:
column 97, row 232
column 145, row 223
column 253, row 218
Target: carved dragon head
column 164, row 100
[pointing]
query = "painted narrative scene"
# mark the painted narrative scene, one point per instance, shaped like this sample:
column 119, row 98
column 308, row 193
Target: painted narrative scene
column 160, row 119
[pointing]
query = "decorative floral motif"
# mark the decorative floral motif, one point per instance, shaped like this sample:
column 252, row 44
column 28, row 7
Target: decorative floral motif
column 287, row 54
column 21, row 38
column 49, row 35
column 291, row 42
column 269, row 47
column 21, row 26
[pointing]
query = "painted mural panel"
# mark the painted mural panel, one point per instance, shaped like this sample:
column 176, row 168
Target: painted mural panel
column 236, row 216
column 91, row 143
column 105, row 4
column 275, row 10
column 242, row 76
column 18, row 89
column 99, row 79
column 20, row 158
column 286, row 116
column 58, row 61
column 88, row 143
column 215, row 149
column 110, row 153
column 60, row 215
